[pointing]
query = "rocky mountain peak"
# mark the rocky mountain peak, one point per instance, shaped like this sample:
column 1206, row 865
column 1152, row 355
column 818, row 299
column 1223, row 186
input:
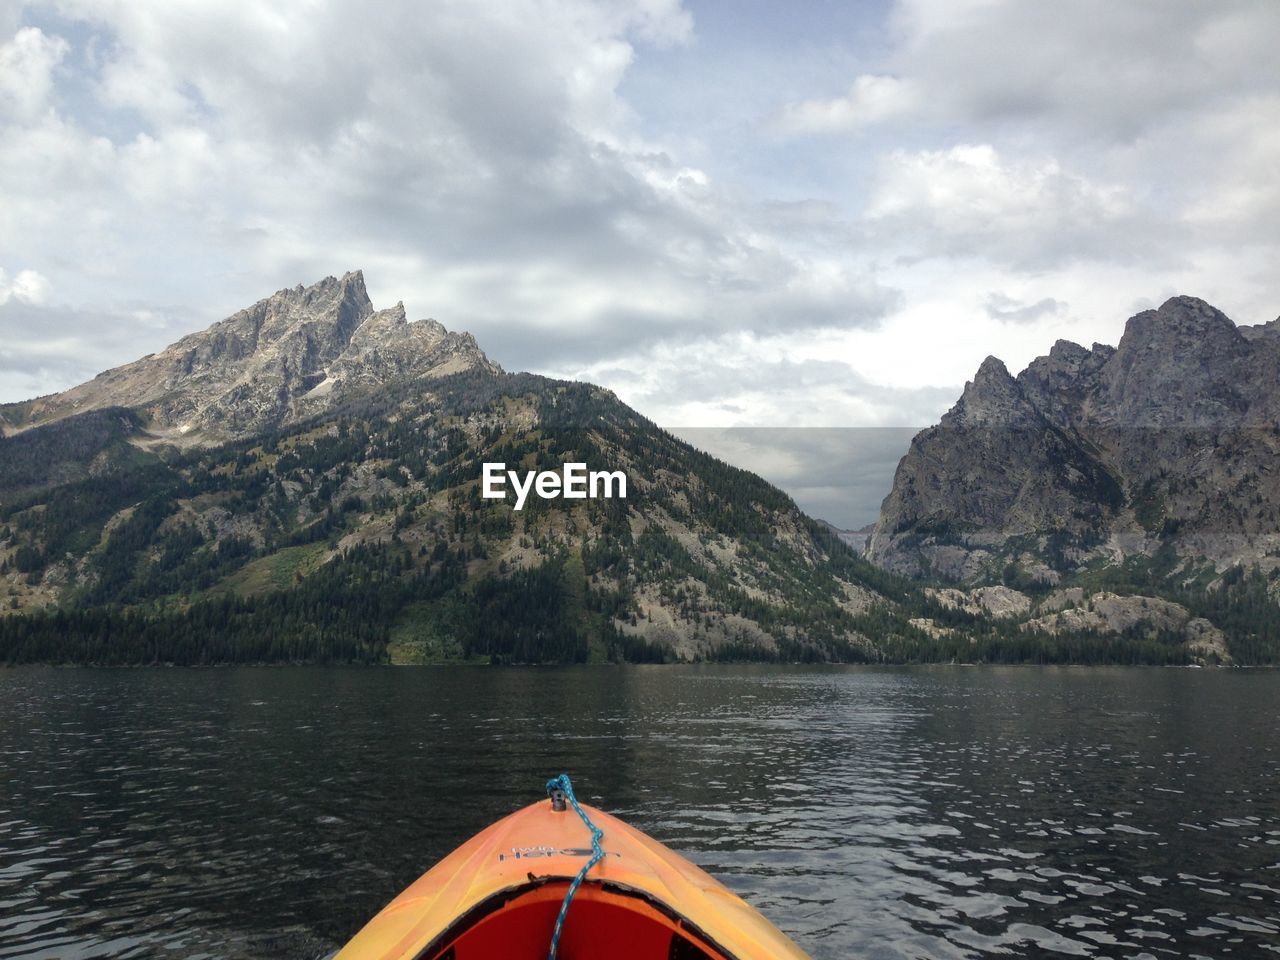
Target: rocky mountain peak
column 350, row 286
column 1172, row 431
column 1060, row 383
column 1179, row 364
column 1064, row 361
column 1068, row 352
column 991, row 398
column 320, row 319
column 1185, row 323
column 289, row 355
column 992, row 370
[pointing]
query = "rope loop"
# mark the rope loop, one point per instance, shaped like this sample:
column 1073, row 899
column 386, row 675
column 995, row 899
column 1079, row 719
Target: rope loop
column 564, row 784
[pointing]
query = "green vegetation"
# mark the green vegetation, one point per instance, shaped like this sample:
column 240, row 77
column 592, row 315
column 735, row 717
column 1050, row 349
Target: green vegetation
column 1149, row 507
column 1241, row 602
column 364, row 533
column 361, row 537
column 63, row 451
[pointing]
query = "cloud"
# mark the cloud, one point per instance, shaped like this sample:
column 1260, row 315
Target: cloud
column 1078, row 133
column 969, row 200
column 27, row 62
column 1006, row 309
column 1236, row 198
column 744, row 380
column 44, row 342
column 991, row 63
column 1155, row 118
column 27, row 287
column 1089, row 68
column 871, row 99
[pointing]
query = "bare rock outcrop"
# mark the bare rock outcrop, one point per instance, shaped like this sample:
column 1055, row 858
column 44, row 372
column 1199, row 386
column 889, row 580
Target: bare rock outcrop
column 1132, row 616
column 996, row 601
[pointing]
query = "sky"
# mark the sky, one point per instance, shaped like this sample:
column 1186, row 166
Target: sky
column 787, row 231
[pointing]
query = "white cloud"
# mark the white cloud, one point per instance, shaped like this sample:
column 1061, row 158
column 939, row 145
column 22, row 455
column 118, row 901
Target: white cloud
column 1238, row 196
column 27, row 62
column 144, row 82
column 970, row 201
column 28, row 287
column 971, row 187
column 740, row 380
column 871, row 99
column 1083, row 133
column 1092, row 67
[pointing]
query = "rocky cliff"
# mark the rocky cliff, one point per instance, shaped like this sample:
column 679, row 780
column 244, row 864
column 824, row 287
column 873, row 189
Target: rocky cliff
column 1162, row 449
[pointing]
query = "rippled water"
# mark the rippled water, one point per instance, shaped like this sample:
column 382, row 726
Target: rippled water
column 932, row 812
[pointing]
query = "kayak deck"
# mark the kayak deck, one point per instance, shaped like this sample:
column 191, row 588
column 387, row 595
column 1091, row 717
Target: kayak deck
column 498, row 896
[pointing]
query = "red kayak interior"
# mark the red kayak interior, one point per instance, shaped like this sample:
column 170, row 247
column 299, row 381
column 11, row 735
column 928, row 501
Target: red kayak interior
column 601, row 923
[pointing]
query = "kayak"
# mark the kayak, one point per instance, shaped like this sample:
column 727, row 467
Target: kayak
column 560, row 877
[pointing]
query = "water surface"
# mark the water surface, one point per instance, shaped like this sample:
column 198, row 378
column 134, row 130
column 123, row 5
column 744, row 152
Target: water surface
column 901, row 812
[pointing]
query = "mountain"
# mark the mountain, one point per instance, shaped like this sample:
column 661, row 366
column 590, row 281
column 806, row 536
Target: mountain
column 1145, row 468
column 290, row 356
column 302, row 481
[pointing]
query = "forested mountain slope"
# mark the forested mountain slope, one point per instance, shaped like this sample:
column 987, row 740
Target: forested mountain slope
column 302, row 481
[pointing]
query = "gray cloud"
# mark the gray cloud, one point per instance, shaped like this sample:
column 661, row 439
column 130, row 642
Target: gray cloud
column 741, row 382
column 47, row 344
column 1108, row 72
column 1006, row 309
column 1088, row 68
column 1063, row 137
column 973, row 201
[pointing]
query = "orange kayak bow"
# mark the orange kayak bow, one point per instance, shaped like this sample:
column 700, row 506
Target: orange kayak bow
column 498, row 896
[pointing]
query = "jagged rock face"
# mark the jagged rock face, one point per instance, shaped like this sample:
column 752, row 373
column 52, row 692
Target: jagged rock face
column 994, row 468
column 287, row 356
column 386, row 347
column 1177, row 367
column 1095, row 454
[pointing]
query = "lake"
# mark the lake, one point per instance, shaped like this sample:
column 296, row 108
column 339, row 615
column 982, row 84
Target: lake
column 897, row 812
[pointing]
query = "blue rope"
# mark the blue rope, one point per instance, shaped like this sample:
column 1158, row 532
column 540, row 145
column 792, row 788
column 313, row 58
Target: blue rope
column 597, row 854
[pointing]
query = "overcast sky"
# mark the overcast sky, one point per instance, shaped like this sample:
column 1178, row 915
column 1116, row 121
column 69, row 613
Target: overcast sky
column 734, row 214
